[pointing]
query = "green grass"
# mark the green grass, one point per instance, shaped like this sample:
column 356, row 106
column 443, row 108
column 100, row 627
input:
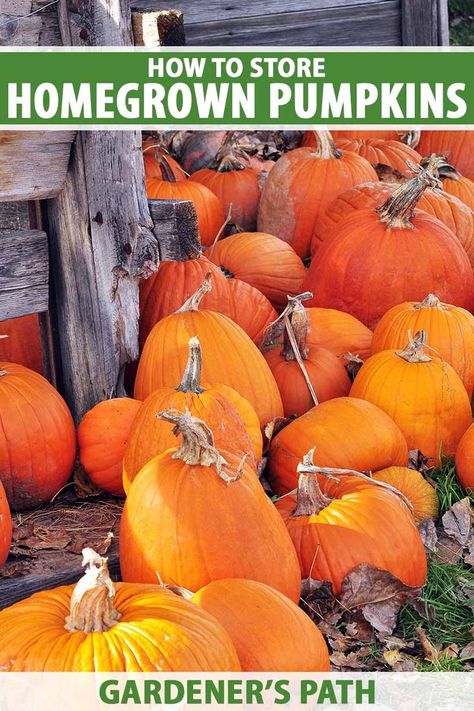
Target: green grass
column 461, row 14
column 445, row 664
column 453, row 614
column 448, row 489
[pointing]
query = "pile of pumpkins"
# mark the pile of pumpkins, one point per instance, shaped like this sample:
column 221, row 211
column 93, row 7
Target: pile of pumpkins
column 317, row 345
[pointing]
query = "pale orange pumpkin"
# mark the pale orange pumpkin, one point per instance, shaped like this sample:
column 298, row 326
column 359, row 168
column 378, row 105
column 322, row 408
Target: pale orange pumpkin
column 413, row 485
column 422, row 393
column 465, row 459
column 395, row 154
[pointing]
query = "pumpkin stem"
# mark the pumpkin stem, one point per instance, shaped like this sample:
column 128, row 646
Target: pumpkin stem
column 166, row 170
column 194, row 301
column 326, row 148
column 398, row 210
column 297, row 320
column 310, row 500
column 414, row 351
column 176, row 589
column 197, row 447
column 191, row 380
column 3, row 372
column 228, row 156
column 431, row 302
column 443, row 168
column 92, row 601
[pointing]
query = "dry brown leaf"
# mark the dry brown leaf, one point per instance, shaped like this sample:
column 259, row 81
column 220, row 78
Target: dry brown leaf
column 351, row 660
column 14, row 569
column 428, row 534
column 366, row 584
column 467, row 652
column 45, row 539
column 383, row 615
column 399, row 662
column 418, row 461
column 83, row 486
column 457, row 521
column 360, row 629
column 448, row 550
column 429, row 650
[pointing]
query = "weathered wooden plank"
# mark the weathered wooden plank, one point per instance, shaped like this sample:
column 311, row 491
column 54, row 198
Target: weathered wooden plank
column 33, row 164
column 176, row 229
column 358, row 25
column 424, row 22
column 196, row 10
column 23, row 273
column 14, row 216
column 154, row 27
column 18, row 27
column 101, row 234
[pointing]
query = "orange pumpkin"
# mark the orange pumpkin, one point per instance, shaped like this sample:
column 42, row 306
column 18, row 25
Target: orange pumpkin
column 152, row 156
column 465, row 459
column 456, row 146
column 309, row 138
column 174, row 282
column 220, row 407
column 447, row 208
column 380, row 151
column 235, row 185
column 101, row 626
column 250, row 309
column 270, row 633
column 337, row 524
column 229, row 357
column 413, row 485
column 450, row 330
column 377, row 259
column 337, row 332
column 300, row 187
column 305, row 375
column 462, row 188
column 208, row 209
column 214, row 505
column 424, row 395
column 348, row 432
column 262, row 260
column 37, row 437
column 22, row 342
column 102, row 435
column 5, row 526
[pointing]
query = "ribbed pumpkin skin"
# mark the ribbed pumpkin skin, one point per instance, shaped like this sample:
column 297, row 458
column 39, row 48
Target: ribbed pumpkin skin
column 465, row 459
column 377, row 150
column 222, row 409
column 338, row 332
column 5, row 526
column 174, row 282
column 151, row 158
column 270, row 633
column 450, row 333
column 348, row 433
column 449, row 209
column 102, row 435
column 326, row 372
column 462, row 189
column 365, row 268
column 37, row 438
column 186, row 523
column 158, row 632
column 229, row 357
column 457, row 146
column 414, row 486
column 237, row 187
column 251, row 310
column 264, row 261
column 208, row 208
column 23, row 345
column 363, row 524
column 298, row 191
column 310, row 140
column 428, row 401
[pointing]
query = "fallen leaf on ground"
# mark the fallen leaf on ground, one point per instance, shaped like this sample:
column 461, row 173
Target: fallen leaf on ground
column 365, row 584
column 383, row 615
column 428, row 534
column 467, row 652
column 457, row 521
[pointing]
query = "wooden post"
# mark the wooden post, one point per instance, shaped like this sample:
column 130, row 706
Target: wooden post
column 424, row 22
column 100, row 233
column 23, row 273
column 176, row 229
column 154, row 27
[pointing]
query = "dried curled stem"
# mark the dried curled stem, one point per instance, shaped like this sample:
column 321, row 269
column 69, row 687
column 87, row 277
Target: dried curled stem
column 191, row 380
column 92, row 600
column 194, row 301
column 326, row 148
column 197, row 447
column 414, row 351
column 431, row 302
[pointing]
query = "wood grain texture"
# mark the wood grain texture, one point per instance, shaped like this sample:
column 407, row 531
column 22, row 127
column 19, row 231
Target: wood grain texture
column 176, row 229
column 367, row 24
column 39, row 29
column 24, row 270
column 14, row 216
column 101, row 235
column 33, row 164
column 424, row 22
column 154, row 27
